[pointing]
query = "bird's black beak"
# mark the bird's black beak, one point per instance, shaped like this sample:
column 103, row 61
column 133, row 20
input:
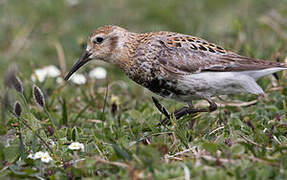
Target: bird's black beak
column 81, row 61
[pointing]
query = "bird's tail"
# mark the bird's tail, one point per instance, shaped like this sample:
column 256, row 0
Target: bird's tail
column 256, row 74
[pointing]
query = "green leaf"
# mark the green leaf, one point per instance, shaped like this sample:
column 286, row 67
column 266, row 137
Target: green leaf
column 121, row 153
column 237, row 149
column 135, row 114
column 11, row 153
column 69, row 134
column 16, row 170
column 283, row 160
column 210, row 147
column 22, row 148
column 74, row 134
column 34, row 143
column 64, row 120
column 2, row 158
column 282, row 128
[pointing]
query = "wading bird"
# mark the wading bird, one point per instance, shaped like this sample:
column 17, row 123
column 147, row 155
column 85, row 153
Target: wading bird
column 177, row 66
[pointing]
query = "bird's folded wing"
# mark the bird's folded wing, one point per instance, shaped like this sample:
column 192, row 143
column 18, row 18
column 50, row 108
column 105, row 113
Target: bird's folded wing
column 197, row 56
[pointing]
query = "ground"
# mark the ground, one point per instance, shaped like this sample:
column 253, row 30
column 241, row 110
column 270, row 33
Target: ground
column 115, row 119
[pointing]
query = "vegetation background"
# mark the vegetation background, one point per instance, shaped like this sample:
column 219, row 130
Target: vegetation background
column 244, row 139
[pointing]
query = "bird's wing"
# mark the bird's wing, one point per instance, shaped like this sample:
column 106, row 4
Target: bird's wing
column 183, row 53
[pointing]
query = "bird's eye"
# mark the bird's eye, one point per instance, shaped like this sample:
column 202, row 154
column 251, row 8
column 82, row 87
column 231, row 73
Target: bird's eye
column 98, row 40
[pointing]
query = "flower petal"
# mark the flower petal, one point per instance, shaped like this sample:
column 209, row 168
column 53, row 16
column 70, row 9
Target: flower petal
column 78, row 79
column 98, row 73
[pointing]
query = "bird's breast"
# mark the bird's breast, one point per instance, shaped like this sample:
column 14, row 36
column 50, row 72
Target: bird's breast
column 154, row 78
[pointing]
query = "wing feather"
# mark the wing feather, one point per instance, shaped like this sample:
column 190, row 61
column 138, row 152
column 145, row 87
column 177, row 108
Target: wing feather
column 187, row 54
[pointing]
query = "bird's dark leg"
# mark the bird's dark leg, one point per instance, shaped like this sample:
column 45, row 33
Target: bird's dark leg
column 182, row 111
column 212, row 107
column 178, row 113
column 160, row 107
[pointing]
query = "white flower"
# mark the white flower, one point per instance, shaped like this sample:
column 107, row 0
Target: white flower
column 46, row 157
column 38, row 155
column 76, row 146
column 78, row 79
column 98, row 73
column 48, row 71
column 39, row 74
column 31, row 156
column 52, row 71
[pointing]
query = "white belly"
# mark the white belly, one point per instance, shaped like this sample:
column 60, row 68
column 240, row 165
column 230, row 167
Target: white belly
column 207, row 84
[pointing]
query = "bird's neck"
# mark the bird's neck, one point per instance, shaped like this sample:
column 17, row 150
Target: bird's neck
column 124, row 53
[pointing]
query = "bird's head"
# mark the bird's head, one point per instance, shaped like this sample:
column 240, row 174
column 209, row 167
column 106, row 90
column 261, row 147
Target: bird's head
column 103, row 44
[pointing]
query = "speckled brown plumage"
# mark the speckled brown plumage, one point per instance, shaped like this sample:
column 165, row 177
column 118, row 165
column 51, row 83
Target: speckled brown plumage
column 177, row 66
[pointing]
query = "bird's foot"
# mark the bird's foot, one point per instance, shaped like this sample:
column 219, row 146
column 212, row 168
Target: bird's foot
column 182, row 111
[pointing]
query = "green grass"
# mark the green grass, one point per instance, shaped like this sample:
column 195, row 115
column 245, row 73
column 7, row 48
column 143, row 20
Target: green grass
column 235, row 142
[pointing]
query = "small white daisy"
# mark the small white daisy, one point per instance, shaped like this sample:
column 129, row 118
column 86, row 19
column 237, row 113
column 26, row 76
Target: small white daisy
column 52, row 71
column 46, row 158
column 48, row 71
column 39, row 74
column 76, row 146
column 38, row 155
column 78, row 79
column 98, row 73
